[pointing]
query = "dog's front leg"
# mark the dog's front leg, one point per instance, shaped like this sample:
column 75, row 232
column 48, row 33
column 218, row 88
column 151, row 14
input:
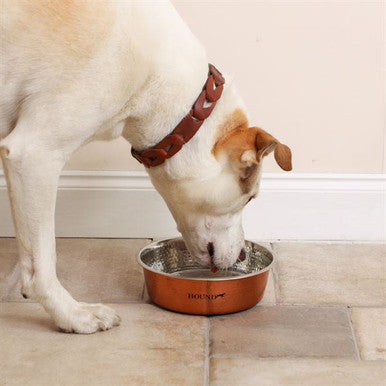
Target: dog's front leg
column 32, row 174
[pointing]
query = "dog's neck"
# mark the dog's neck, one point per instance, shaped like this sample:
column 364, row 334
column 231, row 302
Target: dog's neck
column 165, row 98
column 146, row 129
column 171, row 82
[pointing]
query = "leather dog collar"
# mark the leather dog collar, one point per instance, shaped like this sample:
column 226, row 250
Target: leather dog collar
column 188, row 126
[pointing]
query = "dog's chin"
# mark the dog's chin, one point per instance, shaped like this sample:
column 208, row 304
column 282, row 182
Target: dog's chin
column 210, row 259
column 224, row 264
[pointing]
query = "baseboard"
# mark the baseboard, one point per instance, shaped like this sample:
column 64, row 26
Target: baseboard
column 289, row 206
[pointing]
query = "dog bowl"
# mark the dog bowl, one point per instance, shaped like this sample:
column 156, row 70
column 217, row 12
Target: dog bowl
column 175, row 281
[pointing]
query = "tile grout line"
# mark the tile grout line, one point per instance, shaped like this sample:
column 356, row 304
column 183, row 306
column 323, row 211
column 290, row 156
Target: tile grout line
column 112, row 302
column 294, row 358
column 206, row 352
column 348, row 311
column 143, row 291
column 141, row 301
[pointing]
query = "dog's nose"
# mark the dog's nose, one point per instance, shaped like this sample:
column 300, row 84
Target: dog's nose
column 210, row 249
column 242, row 255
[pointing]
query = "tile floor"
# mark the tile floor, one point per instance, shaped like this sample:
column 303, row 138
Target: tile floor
column 322, row 321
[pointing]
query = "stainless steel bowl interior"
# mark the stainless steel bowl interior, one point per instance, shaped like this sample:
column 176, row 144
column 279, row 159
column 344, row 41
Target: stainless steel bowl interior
column 171, row 258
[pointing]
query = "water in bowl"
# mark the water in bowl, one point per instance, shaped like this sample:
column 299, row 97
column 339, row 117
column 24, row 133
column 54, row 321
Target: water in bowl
column 205, row 273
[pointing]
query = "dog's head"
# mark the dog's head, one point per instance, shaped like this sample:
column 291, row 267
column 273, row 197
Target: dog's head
column 208, row 209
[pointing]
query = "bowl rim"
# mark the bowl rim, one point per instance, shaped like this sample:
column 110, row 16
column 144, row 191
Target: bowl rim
column 146, row 267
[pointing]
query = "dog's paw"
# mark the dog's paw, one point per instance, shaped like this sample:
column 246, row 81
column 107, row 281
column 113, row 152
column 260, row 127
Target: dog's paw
column 89, row 318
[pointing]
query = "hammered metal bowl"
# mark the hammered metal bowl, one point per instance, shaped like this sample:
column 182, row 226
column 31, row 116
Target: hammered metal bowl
column 175, row 281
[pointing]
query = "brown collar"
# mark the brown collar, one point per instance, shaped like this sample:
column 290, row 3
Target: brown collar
column 188, row 126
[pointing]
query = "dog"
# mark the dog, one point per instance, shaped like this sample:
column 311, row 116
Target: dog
column 77, row 71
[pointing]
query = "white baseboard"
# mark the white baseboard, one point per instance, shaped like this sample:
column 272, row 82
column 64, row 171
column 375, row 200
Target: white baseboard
column 289, row 206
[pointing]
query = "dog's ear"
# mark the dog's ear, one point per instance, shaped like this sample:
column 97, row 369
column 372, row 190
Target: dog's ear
column 238, row 145
column 246, row 147
column 265, row 144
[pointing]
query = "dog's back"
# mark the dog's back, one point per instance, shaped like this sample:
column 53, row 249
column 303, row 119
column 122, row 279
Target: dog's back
column 103, row 47
column 45, row 42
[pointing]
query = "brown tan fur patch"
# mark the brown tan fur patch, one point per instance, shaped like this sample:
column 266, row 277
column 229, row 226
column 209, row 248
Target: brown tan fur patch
column 246, row 146
column 234, row 120
column 243, row 138
column 234, row 143
column 74, row 27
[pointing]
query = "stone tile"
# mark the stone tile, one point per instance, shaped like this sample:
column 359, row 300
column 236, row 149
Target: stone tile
column 106, row 269
column 150, row 347
column 283, row 331
column 370, row 330
column 269, row 297
column 311, row 372
column 97, row 270
column 9, row 272
column 269, row 294
column 331, row 273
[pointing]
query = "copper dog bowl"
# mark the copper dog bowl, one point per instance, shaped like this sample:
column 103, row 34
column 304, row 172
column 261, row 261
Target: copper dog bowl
column 175, row 281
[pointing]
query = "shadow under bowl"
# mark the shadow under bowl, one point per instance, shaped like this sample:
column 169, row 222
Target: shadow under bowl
column 175, row 281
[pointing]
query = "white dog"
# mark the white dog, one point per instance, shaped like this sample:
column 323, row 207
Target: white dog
column 75, row 71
